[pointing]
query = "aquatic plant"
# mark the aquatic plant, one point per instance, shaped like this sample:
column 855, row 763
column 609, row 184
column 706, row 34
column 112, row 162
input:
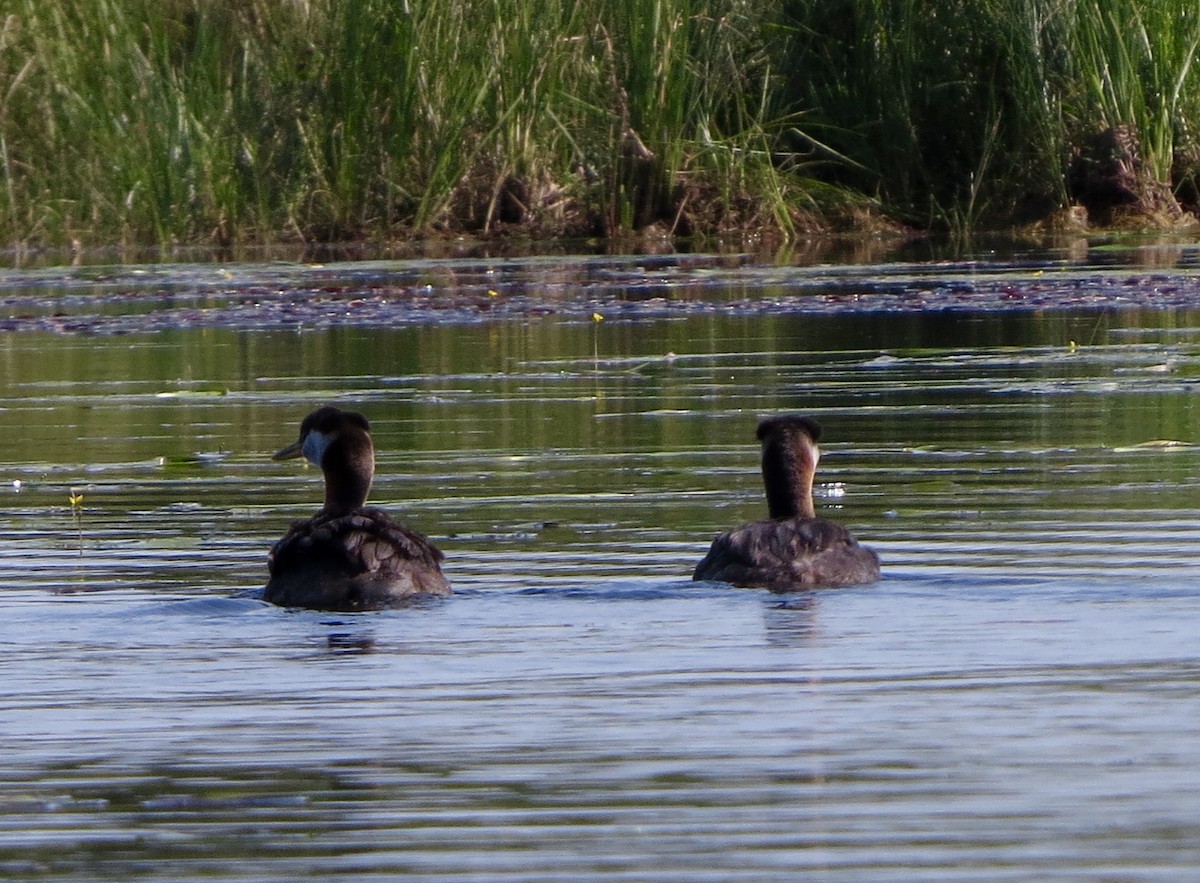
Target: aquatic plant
column 961, row 114
column 1135, row 66
column 942, row 110
column 176, row 121
column 185, row 120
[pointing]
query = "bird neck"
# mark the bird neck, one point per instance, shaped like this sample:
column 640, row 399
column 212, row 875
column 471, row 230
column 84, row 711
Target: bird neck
column 349, row 466
column 788, row 466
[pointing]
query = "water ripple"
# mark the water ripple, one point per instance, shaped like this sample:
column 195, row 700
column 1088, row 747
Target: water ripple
column 1012, row 701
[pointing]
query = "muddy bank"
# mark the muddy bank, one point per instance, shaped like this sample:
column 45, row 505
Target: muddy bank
column 271, row 297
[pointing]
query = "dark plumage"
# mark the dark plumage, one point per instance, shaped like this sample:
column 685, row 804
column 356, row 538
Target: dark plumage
column 792, row 549
column 348, row 556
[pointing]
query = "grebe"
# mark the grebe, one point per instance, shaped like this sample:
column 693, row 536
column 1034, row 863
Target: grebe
column 348, row 556
column 793, row 549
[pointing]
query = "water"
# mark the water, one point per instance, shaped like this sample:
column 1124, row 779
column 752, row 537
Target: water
column 1016, row 700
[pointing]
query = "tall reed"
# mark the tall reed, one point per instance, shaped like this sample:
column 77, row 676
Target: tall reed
column 174, row 120
column 1136, row 65
column 961, row 114
column 186, row 120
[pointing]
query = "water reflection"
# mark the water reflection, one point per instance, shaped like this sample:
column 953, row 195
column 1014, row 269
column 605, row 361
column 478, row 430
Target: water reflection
column 791, row 620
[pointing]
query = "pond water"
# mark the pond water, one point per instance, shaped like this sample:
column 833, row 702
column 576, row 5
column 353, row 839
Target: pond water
column 1017, row 699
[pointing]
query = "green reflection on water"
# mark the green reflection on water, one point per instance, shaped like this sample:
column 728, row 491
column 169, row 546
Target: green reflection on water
column 544, row 384
column 604, row 443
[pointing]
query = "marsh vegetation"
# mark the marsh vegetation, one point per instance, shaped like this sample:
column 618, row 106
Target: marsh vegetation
column 169, row 121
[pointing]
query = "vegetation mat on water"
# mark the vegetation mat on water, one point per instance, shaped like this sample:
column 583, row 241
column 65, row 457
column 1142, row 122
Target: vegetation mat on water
column 576, row 291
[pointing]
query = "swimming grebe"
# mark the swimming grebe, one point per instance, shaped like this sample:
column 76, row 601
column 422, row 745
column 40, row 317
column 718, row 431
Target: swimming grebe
column 793, row 549
column 348, row 556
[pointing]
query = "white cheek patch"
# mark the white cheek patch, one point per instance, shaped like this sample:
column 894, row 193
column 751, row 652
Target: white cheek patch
column 315, row 444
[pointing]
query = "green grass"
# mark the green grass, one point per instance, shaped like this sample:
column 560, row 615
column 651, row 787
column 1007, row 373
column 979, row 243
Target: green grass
column 164, row 121
column 963, row 114
column 1135, row 61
